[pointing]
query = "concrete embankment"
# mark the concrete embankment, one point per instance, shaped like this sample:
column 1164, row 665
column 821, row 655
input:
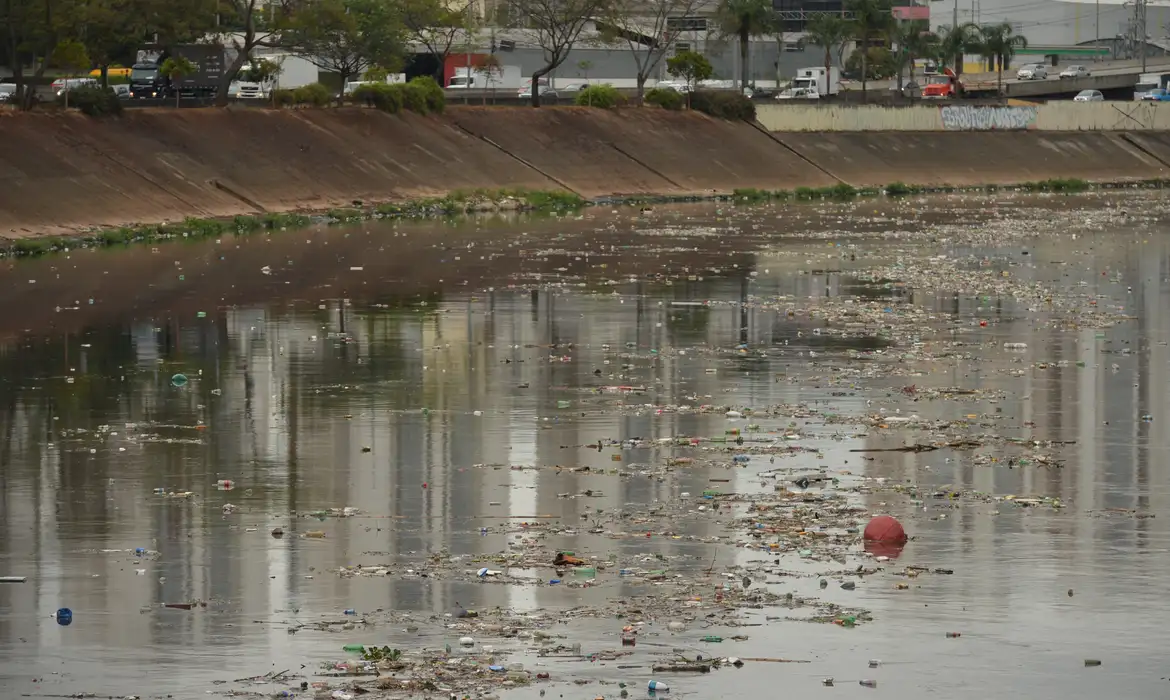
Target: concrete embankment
column 64, row 172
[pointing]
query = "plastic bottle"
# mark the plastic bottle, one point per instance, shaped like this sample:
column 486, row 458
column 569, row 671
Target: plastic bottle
column 658, row 686
column 1015, row 346
column 350, row 611
column 868, row 683
column 952, row 635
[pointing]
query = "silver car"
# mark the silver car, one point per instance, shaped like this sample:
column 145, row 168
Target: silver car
column 1033, row 71
column 1089, row 96
column 1074, row 72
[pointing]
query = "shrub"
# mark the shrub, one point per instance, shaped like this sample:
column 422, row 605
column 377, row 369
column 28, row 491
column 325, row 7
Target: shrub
column 723, row 104
column 414, row 97
column 94, row 100
column 602, row 96
column 432, row 92
column 379, row 95
column 314, row 94
column 284, row 98
column 664, row 98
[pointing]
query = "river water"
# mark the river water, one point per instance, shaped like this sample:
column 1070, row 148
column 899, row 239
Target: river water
column 449, row 379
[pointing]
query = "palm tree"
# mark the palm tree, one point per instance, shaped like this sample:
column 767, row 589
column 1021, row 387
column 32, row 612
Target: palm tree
column 828, row 31
column 870, row 18
column 913, row 39
column 954, row 43
column 744, row 19
column 998, row 44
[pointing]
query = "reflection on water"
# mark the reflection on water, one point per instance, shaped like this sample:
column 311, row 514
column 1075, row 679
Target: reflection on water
column 437, row 388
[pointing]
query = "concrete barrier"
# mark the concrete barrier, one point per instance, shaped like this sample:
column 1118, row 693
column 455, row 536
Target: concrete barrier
column 979, row 158
column 1052, row 116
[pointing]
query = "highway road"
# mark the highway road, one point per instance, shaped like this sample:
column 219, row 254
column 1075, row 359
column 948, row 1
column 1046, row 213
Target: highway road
column 1117, row 70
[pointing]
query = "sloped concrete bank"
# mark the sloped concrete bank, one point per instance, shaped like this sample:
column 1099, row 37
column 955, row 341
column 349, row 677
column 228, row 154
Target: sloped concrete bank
column 61, row 173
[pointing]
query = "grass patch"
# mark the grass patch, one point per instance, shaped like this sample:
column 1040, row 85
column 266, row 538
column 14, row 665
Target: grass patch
column 1056, row 185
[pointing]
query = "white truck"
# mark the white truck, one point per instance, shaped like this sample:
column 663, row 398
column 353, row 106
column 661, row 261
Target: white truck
column 474, row 78
column 1147, row 83
column 292, row 72
column 824, row 83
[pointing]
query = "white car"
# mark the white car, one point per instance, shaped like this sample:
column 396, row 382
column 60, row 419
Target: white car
column 1075, row 72
column 1089, row 96
column 62, row 85
column 808, row 93
column 1033, row 71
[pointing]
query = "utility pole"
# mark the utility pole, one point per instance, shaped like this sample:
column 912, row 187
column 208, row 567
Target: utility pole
column 1142, row 34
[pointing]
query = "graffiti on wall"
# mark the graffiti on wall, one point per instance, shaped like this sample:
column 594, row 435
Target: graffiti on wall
column 971, row 118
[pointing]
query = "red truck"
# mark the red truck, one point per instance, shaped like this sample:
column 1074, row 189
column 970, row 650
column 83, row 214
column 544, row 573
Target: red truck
column 945, row 85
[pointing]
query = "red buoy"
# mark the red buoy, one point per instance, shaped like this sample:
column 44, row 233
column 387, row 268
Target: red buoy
column 883, row 528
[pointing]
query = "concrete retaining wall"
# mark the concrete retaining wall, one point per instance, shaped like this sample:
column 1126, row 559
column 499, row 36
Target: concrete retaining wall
column 1053, row 116
column 960, row 159
column 65, row 172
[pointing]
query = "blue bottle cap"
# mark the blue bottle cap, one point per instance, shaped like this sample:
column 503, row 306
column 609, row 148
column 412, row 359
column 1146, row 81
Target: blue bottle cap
column 64, row 617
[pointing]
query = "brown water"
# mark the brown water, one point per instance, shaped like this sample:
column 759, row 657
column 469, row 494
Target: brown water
column 406, row 389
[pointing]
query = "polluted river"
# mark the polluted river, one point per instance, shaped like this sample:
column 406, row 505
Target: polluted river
column 622, row 453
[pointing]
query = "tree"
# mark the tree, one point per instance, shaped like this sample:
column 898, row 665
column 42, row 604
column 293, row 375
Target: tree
column 998, row 44
column 870, row 17
column 174, row 68
column 954, row 43
column 245, row 17
column 71, row 56
column 744, row 19
column 436, row 25
column 828, row 31
column 691, row 67
column 554, row 26
column 920, row 42
column 346, row 37
column 902, row 36
column 30, row 30
column 491, row 70
column 114, row 30
column 646, row 28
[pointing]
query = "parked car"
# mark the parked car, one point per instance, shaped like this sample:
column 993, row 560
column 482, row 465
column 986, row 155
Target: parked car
column 1032, row 71
column 122, row 90
column 62, row 85
column 572, row 87
column 808, row 93
column 1089, row 96
column 7, row 91
column 909, row 89
column 1157, row 95
column 677, row 86
column 1075, row 72
column 546, row 93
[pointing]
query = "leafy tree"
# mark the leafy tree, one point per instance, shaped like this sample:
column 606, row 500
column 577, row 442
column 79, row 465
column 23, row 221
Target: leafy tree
column 346, row 37
column 918, row 42
column 174, row 68
column 29, row 32
column 71, row 56
column 690, row 66
column 491, row 70
column 555, row 26
column 260, row 71
column 829, row 31
column 870, row 18
column 744, row 19
column 435, row 25
column 998, row 44
column 880, row 63
column 246, row 18
column 114, row 30
column 903, row 35
column 954, row 43
column 645, row 27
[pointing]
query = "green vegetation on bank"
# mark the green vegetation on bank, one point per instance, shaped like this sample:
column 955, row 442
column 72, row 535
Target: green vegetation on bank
column 504, row 200
column 901, row 189
column 454, row 204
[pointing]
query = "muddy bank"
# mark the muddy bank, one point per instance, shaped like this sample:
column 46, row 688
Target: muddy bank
column 64, row 172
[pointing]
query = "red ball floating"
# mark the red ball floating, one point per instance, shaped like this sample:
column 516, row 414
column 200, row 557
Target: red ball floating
column 883, row 528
